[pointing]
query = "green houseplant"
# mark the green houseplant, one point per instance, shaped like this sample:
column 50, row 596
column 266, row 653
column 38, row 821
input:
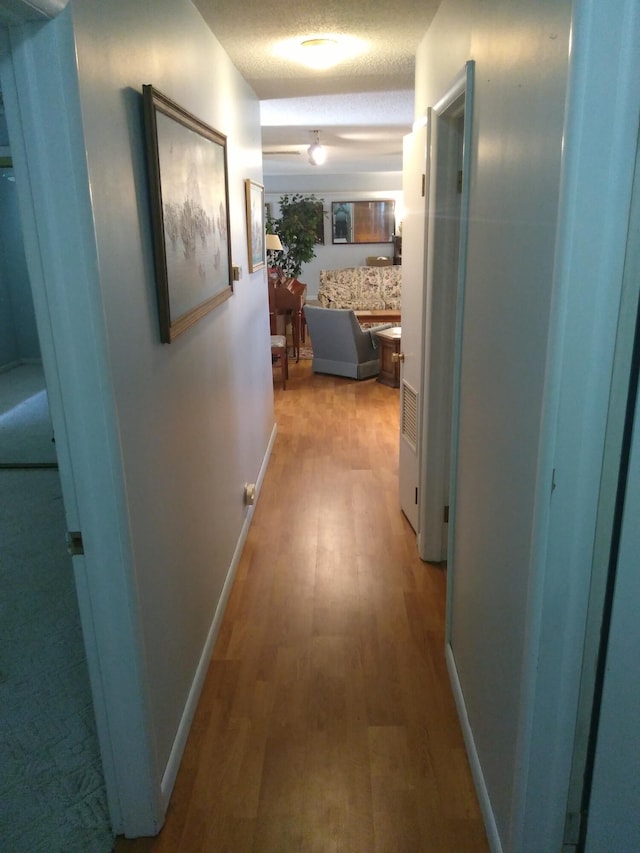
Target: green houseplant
column 301, row 217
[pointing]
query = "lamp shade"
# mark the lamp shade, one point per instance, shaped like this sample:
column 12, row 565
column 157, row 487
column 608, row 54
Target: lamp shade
column 273, row 243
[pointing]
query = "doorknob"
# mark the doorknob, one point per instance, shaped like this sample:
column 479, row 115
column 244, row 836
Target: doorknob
column 397, row 356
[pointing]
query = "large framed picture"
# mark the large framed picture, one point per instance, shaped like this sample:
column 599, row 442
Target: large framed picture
column 363, row 221
column 189, row 189
column 254, row 194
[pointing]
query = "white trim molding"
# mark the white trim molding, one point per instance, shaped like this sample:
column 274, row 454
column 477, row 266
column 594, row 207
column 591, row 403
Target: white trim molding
column 472, row 753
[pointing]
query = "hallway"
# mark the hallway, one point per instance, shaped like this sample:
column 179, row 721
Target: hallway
column 326, row 722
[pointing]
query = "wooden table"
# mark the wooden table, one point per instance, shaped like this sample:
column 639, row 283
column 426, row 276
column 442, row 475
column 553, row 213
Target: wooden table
column 389, row 343
column 379, row 315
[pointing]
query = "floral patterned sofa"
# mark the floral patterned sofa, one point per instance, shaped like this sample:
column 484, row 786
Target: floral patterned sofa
column 361, row 288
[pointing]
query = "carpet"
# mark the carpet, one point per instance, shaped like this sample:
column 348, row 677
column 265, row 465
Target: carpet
column 52, row 793
column 26, row 432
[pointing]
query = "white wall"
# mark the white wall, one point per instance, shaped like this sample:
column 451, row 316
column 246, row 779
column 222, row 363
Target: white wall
column 194, row 418
column 357, row 187
column 553, row 157
column 155, row 441
column 580, row 416
column 521, row 53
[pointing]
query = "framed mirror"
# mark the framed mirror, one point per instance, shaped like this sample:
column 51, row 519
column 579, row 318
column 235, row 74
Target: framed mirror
column 371, row 221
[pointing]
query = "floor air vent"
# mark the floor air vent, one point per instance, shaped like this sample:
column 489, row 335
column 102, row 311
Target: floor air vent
column 409, row 415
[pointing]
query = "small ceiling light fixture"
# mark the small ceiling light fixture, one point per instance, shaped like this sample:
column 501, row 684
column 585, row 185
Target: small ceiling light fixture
column 320, row 51
column 317, row 154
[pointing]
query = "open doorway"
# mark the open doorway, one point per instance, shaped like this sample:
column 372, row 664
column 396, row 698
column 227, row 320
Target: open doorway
column 26, row 432
column 448, row 221
column 442, row 287
column 432, row 330
column 52, row 786
column 604, row 758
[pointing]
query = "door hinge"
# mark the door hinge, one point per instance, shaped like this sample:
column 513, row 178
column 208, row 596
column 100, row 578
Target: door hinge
column 572, row 830
column 459, row 184
column 75, row 545
column 416, row 495
column 445, row 514
column 424, row 185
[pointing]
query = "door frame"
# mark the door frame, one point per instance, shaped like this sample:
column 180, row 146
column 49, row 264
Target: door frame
column 443, row 336
column 38, row 74
column 438, row 440
column 598, row 159
column 615, row 487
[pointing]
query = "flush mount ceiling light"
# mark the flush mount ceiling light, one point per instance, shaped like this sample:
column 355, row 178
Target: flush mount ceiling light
column 320, row 52
column 317, row 154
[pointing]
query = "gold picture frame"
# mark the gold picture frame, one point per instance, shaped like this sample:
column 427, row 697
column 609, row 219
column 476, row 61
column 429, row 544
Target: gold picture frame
column 189, row 194
column 254, row 197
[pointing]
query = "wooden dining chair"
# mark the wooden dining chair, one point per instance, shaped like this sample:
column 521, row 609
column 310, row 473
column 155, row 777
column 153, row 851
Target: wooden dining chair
column 279, row 354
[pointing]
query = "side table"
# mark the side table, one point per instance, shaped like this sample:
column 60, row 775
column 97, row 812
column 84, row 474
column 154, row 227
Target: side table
column 389, row 343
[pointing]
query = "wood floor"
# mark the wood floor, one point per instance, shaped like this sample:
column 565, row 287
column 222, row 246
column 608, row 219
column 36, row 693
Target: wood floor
column 326, row 722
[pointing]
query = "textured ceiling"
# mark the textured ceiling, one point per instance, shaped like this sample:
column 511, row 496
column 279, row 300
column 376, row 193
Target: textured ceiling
column 362, row 107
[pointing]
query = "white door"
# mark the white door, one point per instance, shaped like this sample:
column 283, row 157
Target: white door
column 414, row 248
column 443, row 296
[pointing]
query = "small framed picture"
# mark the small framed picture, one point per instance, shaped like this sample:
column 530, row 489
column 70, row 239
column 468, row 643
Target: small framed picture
column 254, row 194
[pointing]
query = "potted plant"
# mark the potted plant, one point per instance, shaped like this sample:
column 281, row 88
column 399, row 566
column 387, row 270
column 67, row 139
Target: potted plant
column 301, row 216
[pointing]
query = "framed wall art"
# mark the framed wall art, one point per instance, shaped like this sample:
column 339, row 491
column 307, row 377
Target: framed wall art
column 254, row 194
column 363, row 221
column 189, row 190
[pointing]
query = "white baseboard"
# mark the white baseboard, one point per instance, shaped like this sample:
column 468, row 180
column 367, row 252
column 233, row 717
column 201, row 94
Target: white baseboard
column 177, row 750
column 472, row 753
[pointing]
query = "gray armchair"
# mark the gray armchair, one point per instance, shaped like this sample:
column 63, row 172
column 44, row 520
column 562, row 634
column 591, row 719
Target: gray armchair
column 339, row 345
